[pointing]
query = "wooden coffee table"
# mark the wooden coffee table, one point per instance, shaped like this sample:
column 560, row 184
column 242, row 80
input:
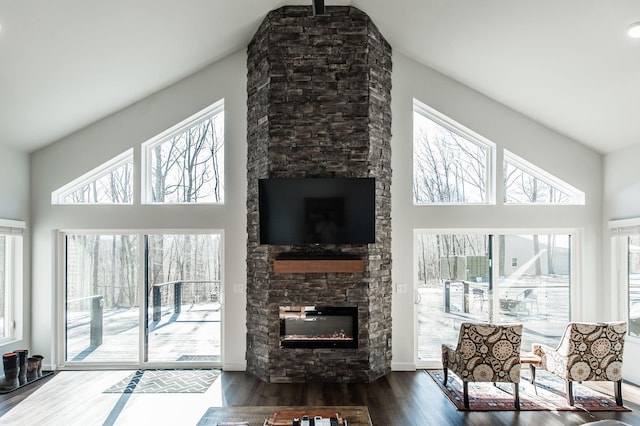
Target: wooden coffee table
column 285, row 417
column 256, row 416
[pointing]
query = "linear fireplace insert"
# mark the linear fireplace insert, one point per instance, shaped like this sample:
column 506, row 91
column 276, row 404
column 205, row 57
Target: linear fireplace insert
column 318, row 327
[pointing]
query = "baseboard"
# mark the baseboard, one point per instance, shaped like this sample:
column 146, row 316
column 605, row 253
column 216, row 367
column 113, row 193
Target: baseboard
column 231, row 366
column 403, row 366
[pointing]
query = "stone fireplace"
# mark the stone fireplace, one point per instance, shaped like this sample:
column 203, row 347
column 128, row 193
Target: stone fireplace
column 319, row 94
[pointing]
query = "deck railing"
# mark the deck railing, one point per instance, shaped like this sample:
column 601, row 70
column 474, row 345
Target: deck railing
column 96, row 305
column 96, row 313
column 177, row 295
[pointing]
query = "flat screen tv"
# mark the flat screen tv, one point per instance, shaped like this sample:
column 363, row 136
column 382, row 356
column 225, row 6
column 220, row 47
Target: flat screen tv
column 317, row 211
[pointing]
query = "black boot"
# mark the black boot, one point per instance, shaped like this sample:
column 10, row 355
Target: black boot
column 23, row 354
column 40, row 358
column 32, row 369
column 11, row 369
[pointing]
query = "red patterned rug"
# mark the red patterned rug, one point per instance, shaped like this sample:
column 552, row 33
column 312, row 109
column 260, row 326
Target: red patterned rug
column 550, row 395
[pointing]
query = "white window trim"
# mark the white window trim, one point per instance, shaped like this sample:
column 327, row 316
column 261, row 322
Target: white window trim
column 58, row 196
column 619, row 266
column 471, row 136
column 577, row 196
column 575, row 293
column 59, row 309
column 12, row 227
column 14, row 286
column 181, row 127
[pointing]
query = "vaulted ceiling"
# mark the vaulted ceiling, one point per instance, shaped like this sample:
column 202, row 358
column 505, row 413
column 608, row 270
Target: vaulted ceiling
column 567, row 64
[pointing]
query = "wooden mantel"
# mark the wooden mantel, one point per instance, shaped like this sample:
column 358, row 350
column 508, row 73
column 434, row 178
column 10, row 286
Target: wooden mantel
column 318, row 265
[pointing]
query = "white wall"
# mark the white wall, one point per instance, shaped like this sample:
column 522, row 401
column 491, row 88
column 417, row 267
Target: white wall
column 14, row 184
column 558, row 155
column 622, row 184
column 14, row 205
column 68, row 159
column 58, row 164
column 621, row 201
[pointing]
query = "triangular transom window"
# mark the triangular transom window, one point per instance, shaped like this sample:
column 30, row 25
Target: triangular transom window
column 450, row 162
column 525, row 183
column 109, row 183
column 185, row 164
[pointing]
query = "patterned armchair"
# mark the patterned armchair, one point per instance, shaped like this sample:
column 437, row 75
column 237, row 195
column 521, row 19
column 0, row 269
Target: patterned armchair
column 587, row 352
column 485, row 353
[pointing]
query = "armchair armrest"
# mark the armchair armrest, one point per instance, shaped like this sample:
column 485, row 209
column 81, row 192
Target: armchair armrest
column 449, row 354
column 541, row 349
column 552, row 359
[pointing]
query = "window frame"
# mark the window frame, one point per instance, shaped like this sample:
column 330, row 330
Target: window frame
column 146, row 177
column 141, row 233
column 58, row 196
column 470, row 136
column 575, row 291
column 619, row 231
column 577, row 196
column 14, row 277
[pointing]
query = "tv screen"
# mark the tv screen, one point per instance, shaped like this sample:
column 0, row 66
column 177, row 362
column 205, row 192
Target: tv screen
column 317, row 211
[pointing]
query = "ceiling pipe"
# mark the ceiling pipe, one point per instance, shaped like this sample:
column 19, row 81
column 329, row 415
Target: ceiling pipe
column 318, row 7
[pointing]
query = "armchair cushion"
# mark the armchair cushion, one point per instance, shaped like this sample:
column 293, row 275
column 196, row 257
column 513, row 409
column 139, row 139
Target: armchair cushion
column 485, row 353
column 587, row 352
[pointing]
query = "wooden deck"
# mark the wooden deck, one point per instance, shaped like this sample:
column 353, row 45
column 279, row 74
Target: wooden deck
column 192, row 335
column 543, row 322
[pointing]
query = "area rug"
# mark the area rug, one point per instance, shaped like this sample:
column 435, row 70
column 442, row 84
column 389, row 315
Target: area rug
column 257, row 415
column 166, row 381
column 550, row 395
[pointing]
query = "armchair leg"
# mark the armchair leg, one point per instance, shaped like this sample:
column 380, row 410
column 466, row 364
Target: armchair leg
column 570, row 392
column 532, row 369
column 465, row 387
column 516, row 395
column 617, row 391
column 446, row 376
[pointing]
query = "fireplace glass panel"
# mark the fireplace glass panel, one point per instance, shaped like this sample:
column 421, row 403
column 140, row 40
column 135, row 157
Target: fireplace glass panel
column 318, row 327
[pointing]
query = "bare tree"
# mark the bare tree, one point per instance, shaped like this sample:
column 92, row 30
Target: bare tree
column 522, row 187
column 447, row 167
column 115, row 187
column 438, row 251
column 188, row 167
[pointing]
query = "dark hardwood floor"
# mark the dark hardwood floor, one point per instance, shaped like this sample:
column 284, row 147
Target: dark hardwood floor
column 400, row 398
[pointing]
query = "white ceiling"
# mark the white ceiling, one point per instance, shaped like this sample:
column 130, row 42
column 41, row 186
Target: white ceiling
column 566, row 64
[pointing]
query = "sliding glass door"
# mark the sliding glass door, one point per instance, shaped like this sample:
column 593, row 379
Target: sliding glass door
column 633, row 283
column 534, row 285
column 183, row 298
column 141, row 298
column 102, row 298
column 454, row 285
column 490, row 278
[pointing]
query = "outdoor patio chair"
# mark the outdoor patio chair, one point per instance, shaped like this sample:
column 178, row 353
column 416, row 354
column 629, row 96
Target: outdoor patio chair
column 485, row 353
column 478, row 296
column 528, row 299
column 587, row 352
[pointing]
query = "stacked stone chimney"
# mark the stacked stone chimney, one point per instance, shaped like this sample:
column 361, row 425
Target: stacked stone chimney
column 319, row 105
